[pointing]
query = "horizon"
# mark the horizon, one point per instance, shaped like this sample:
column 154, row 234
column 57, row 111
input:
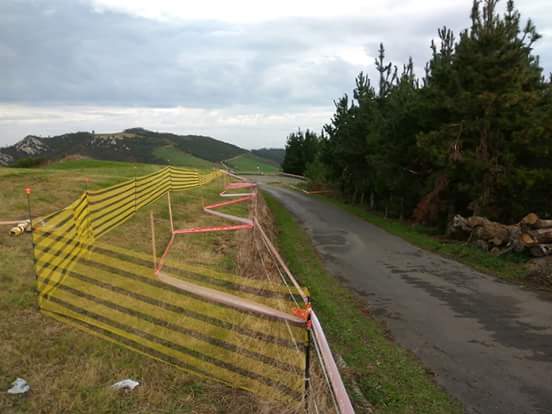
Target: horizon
column 137, row 127
column 247, row 74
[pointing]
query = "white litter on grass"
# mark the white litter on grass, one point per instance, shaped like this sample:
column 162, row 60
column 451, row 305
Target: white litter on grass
column 126, row 384
column 19, row 386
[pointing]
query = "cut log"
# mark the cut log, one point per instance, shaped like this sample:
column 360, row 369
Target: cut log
column 459, row 224
column 515, row 236
column 544, row 224
column 532, row 232
column 495, row 234
column 537, row 236
column 487, row 234
column 541, row 250
column 532, row 221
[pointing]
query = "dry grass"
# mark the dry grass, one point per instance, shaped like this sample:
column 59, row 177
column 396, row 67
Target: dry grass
column 70, row 371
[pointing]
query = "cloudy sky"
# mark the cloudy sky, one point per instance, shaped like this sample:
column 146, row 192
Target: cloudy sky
column 244, row 71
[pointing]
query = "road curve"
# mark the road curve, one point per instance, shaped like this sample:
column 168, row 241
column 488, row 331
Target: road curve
column 489, row 343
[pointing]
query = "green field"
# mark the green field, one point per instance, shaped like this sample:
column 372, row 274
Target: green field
column 105, row 172
column 174, row 156
column 250, row 163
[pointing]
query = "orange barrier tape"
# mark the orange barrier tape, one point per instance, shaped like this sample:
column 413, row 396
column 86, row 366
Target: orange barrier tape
column 228, row 203
column 213, row 228
column 240, row 185
column 247, row 224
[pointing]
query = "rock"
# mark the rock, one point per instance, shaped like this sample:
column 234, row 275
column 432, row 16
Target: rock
column 5, row 159
column 31, row 145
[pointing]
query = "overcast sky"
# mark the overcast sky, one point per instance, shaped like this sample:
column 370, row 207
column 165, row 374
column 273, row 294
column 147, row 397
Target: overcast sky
column 244, row 71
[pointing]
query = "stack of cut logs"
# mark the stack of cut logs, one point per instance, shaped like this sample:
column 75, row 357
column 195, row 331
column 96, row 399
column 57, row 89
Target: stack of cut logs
column 531, row 232
column 536, row 235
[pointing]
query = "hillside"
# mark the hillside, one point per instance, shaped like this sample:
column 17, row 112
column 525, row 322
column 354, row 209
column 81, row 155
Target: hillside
column 175, row 156
column 274, row 154
column 249, row 162
column 132, row 145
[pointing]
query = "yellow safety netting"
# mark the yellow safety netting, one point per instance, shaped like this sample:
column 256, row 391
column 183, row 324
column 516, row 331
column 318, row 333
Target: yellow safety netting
column 114, row 293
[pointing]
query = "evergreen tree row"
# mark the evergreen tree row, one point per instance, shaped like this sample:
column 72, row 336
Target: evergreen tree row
column 473, row 136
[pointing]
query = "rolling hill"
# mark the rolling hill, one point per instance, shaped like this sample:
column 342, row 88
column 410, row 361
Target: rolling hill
column 132, row 145
column 275, row 154
column 248, row 162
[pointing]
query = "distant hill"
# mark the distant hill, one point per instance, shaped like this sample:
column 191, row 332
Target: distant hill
column 251, row 163
column 133, row 145
column 275, row 154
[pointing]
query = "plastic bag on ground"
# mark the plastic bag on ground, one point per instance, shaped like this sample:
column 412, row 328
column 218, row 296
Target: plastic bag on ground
column 126, row 384
column 19, row 386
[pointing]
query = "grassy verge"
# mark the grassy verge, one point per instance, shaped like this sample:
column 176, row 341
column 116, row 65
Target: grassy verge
column 511, row 266
column 391, row 378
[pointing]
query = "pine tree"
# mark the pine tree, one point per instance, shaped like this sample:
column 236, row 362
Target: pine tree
column 473, row 137
column 493, row 83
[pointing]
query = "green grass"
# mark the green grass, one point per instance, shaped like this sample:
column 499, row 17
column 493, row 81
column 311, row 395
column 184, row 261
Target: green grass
column 510, row 266
column 390, row 378
column 91, row 163
column 97, row 173
column 250, row 163
column 180, row 158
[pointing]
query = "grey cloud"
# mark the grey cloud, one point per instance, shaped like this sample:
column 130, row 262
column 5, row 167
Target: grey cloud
column 77, row 56
column 64, row 52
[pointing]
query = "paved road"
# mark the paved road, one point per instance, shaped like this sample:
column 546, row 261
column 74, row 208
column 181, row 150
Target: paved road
column 489, row 343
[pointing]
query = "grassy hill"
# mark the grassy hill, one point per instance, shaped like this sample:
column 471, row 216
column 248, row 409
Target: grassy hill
column 251, row 163
column 132, row 145
column 274, row 154
column 175, row 156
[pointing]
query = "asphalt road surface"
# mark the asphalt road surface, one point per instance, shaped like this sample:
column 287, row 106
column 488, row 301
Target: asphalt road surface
column 489, row 343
